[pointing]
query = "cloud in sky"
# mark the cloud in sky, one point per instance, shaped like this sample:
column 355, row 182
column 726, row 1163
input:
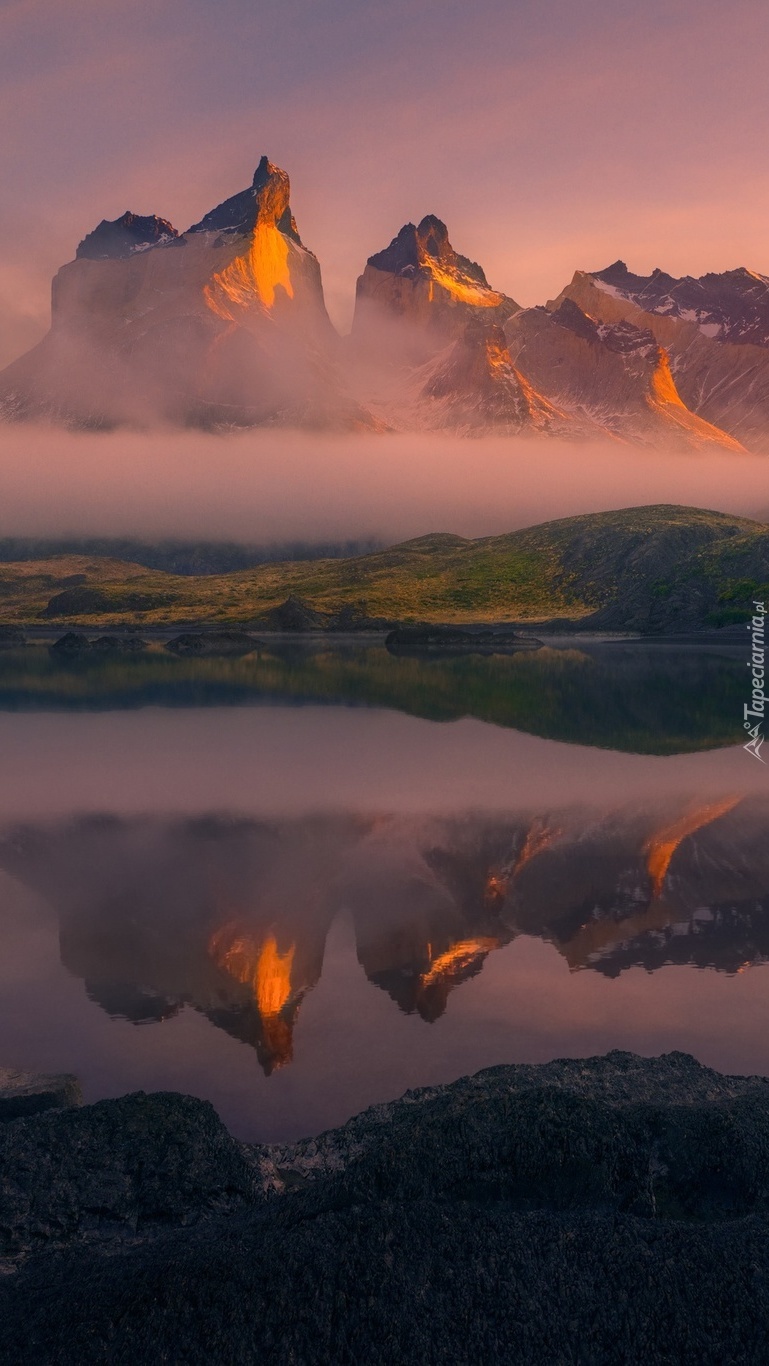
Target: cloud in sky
column 549, row 136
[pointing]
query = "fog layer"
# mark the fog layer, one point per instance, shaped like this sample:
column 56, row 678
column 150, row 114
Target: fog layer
column 262, row 487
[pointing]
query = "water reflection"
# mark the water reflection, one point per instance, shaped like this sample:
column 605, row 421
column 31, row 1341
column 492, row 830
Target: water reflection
column 633, row 696
column 231, row 916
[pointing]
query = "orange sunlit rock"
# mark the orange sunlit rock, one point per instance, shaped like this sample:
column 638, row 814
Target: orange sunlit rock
column 456, row 960
column 464, row 291
column 665, row 398
column 662, row 845
column 538, row 837
column 253, row 277
column 258, row 965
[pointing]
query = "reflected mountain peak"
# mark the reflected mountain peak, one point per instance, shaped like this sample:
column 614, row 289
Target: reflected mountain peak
column 230, row 917
column 258, row 964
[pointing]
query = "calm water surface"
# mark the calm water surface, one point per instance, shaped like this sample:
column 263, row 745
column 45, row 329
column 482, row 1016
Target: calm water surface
column 425, row 868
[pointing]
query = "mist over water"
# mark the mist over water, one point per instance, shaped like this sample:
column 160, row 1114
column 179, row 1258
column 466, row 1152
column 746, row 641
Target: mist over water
column 269, row 486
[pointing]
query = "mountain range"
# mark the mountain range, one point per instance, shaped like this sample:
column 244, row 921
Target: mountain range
column 225, row 326
column 231, row 918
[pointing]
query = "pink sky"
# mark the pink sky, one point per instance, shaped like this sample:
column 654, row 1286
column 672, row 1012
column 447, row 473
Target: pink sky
column 548, row 135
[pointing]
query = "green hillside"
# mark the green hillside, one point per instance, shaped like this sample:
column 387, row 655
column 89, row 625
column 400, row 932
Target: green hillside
column 649, row 569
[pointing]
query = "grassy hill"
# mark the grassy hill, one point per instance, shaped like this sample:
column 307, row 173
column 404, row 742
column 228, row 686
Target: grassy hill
column 649, row 569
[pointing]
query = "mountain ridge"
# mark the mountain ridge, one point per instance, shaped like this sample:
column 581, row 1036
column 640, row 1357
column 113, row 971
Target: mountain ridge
column 225, row 325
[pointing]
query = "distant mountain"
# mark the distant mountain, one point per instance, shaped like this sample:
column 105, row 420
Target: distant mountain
column 421, row 280
column 715, row 331
column 614, row 377
column 225, row 325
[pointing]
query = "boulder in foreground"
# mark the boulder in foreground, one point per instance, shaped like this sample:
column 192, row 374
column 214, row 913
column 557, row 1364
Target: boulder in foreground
column 602, row 1210
column 201, row 644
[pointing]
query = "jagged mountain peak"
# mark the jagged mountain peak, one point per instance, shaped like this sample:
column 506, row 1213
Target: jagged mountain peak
column 423, row 247
column 420, row 280
column 266, row 201
column 728, row 306
column 116, row 239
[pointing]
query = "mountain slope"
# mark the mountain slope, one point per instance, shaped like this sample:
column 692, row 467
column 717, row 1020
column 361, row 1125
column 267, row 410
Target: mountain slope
column 613, row 375
column 715, row 331
column 648, row 569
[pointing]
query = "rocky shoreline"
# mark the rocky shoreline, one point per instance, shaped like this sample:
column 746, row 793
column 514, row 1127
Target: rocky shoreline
column 612, row 1209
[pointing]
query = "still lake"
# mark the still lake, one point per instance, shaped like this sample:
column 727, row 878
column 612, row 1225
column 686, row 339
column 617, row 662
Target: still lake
column 304, row 881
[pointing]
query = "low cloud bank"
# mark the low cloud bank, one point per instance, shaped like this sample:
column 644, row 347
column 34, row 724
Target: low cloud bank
column 266, row 487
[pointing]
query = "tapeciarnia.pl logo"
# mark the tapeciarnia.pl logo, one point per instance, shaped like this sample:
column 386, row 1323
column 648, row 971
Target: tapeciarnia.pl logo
column 755, row 710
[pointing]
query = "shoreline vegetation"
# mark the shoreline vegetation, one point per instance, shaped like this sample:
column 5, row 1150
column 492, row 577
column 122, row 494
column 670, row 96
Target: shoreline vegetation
column 139, row 1229
column 651, row 571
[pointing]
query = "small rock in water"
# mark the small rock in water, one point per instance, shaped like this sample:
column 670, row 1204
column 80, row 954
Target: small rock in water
column 213, row 643
column 27, row 1093
column 71, row 644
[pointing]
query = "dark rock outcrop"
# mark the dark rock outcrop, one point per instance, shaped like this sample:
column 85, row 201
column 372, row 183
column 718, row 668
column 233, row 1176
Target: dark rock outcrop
column 294, row 615
column 118, row 1167
column 75, row 643
column 607, row 1210
column 200, row 644
column 122, row 645
column 118, row 239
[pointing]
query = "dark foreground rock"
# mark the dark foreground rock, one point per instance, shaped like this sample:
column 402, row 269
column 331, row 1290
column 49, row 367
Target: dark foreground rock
column 74, row 643
column 119, row 1168
column 609, row 1210
column 454, row 640
column 209, row 643
column 118, row 644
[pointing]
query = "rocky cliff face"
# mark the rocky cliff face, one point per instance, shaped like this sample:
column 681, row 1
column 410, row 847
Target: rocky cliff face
column 614, row 376
column 474, row 387
column 715, row 331
column 423, row 283
column 223, row 324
